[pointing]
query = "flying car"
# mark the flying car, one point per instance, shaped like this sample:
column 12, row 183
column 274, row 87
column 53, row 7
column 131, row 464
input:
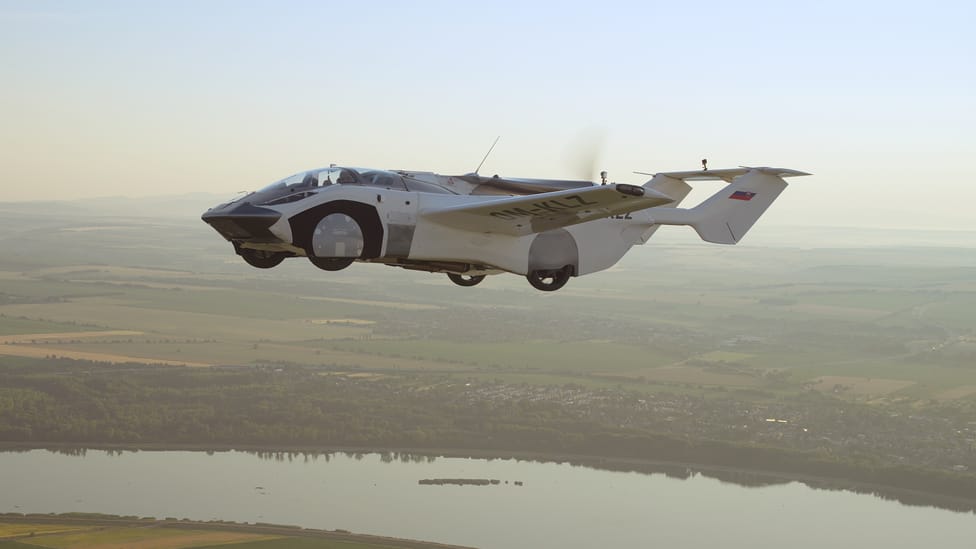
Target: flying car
column 470, row 226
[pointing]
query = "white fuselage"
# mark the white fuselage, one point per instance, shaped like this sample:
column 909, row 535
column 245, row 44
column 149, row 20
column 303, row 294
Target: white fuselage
column 599, row 244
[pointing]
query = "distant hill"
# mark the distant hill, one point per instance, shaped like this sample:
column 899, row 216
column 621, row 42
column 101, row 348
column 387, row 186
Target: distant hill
column 189, row 206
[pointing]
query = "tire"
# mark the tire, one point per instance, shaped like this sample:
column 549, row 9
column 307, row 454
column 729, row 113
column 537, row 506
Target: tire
column 331, row 263
column 307, row 230
column 339, row 234
column 549, row 280
column 262, row 259
column 464, row 280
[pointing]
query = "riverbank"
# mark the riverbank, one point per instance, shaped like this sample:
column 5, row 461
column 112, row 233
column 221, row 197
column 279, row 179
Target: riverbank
column 732, row 473
column 300, row 410
column 273, row 531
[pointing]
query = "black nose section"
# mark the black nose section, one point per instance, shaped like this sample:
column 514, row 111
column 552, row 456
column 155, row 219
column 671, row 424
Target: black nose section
column 242, row 222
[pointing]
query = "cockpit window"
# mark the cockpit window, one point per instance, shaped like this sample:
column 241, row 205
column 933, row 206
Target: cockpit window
column 306, row 180
column 380, row 178
column 303, row 182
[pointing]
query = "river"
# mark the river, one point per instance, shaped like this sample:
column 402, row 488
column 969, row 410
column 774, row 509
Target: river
column 558, row 505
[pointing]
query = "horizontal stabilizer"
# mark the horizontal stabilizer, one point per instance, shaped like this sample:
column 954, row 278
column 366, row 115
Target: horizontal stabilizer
column 726, row 216
column 728, row 174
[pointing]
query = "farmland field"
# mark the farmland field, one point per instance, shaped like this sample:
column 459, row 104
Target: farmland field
column 95, row 531
column 674, row 313
column 10, row 530
column 139, row 538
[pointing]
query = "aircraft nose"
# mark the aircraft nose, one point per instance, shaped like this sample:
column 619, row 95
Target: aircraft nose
column 242, row 222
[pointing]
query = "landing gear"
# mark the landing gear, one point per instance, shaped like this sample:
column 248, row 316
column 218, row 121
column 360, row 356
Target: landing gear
column 262, row 259
column 549, row 280
column 331, row 263
column 465, row 280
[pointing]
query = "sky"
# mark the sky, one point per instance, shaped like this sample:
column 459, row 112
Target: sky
column 876, row 99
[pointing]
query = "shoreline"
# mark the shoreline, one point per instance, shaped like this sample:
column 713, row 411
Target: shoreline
column 906, row 496
column 282, row 530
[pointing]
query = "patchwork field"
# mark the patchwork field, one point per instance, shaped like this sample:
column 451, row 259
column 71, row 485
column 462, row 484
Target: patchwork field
column 860, row 385
column 13, row 530
column 695, row 376
column 959, row 392
column 47, row 337
column 677, row 313
column 31, row 351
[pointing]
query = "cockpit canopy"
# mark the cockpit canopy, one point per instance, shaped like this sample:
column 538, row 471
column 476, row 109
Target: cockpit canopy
column 310, row 179
column 303, row 182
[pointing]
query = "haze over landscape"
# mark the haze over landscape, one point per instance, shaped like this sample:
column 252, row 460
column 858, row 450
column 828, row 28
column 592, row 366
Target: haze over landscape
column 693, row 394
column 115, row 98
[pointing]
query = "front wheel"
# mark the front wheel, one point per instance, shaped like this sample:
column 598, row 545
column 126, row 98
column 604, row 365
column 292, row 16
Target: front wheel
column 331, row 263
column 337, row 240
column 548, row 280
column 464, row 280
column 262, row 259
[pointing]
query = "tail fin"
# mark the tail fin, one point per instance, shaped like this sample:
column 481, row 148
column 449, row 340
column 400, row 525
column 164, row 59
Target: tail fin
column 673, row 187
column 726, row 216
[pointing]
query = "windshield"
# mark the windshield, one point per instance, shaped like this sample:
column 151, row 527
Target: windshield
column 381, row 178
column 313, row 178
column 322, row 177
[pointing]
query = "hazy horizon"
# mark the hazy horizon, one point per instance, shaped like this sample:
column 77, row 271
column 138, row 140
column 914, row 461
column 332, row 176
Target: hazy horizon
column 114, row 98
column 184, row 210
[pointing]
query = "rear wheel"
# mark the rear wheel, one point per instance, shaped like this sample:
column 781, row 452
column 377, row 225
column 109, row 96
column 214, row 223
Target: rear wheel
column 549, row 280
column 262, row 259
column 465, row 280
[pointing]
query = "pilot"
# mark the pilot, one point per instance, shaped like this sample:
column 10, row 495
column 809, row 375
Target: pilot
column 310, row 180
column 346, row 178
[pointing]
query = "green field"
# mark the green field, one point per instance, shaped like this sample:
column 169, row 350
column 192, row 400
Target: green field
column 546, row 355
column 298, row 543
column 15, row 326
column 674, row 313
column 110, row 532
column 142, row 537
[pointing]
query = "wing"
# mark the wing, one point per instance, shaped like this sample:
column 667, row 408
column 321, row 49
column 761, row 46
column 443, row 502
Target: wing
column 521, row 215
column 517, row 185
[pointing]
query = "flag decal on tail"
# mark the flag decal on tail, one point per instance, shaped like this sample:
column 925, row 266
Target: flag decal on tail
column 742, row 195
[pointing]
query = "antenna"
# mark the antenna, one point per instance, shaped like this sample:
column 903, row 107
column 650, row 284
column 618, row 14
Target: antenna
column 478, row 169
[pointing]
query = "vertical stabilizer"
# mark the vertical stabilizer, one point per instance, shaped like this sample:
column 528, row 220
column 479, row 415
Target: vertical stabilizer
column 726, row 216
column 677, row 189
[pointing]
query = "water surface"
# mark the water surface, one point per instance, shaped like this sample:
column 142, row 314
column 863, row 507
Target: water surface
column 559, row 505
